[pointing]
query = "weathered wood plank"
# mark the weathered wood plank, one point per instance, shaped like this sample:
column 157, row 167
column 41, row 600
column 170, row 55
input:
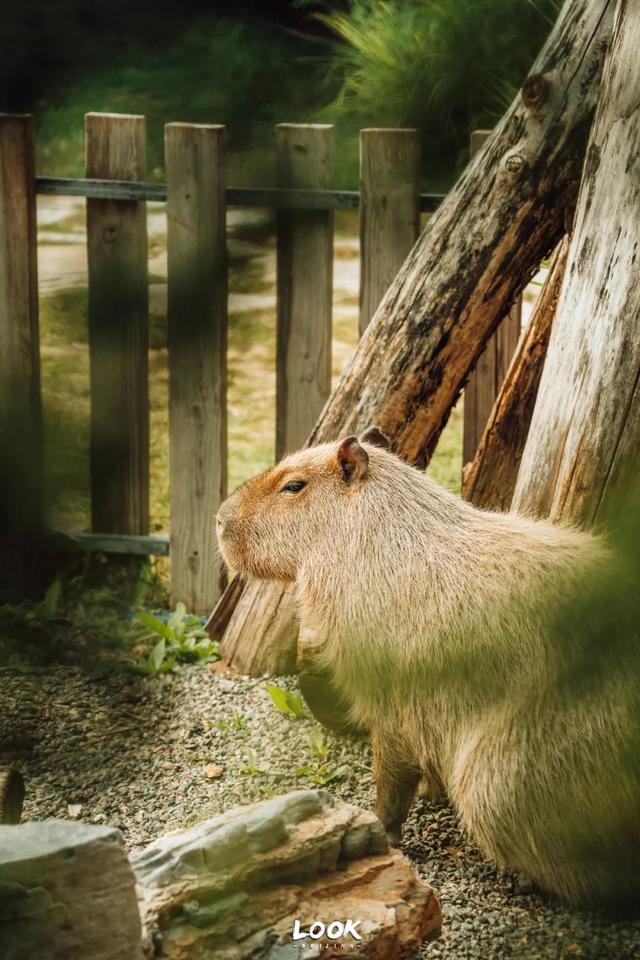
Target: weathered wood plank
column 585, row 431
column 491, row 477
column 19, row 332
column 118, row 330
column 235, row 196
column 116, row 543
column 304, row 154
column 197, row 341
column 389, row 210
column 21, row 510
column 482, row 247
column 487, row 376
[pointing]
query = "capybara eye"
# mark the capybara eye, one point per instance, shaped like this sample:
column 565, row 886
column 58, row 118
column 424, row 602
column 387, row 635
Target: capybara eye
column 294, row 486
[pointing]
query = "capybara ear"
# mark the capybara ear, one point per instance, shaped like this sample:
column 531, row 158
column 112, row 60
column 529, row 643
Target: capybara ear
column 352, row 460
column 376, row 437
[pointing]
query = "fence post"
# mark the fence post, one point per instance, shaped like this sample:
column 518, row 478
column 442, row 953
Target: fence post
column 485, row 380
column 389, row 210
column 118, row 329
column 304, row 154
column 20, row 404
column 197, row 340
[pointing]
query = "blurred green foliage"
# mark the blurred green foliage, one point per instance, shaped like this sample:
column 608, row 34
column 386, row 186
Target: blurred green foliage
column 248, row 76
column 83, row 618
column 43, row 43
column 444, row 66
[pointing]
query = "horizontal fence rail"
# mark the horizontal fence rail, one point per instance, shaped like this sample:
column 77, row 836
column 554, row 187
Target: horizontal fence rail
column 274, row 197
column 138, row 545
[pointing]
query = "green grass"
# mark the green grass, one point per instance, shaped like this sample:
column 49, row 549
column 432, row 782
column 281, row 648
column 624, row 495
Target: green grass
column 246, row 75
column 446, row 464
column 446, row 67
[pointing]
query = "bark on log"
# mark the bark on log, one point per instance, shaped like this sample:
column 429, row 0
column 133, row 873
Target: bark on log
column 481, row 248
column 487, row 376
column 585, row 430
column 490, row 478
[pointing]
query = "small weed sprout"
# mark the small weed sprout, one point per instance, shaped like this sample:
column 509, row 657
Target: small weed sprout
column 237, row 724
column 252, row 767
column 290, row 704
column 321, row 771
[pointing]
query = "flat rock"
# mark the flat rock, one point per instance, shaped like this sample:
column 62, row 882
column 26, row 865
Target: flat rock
column 235, row 886
column 66, row 890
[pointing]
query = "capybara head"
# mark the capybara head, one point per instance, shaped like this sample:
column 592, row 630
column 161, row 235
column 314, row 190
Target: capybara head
column 266, row 526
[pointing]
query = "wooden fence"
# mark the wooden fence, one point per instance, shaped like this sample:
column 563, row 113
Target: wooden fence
column 196, row 198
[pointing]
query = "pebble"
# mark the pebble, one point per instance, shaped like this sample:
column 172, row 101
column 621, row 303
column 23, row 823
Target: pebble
column 140, row 753
column 213, row 772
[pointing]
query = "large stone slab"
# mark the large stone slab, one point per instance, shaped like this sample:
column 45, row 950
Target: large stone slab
column 67, row 890
column 243, row 884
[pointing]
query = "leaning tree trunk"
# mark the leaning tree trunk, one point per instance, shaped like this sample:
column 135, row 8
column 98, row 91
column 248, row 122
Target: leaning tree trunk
column 490, row 478
column 481, row 248
column 585, row 431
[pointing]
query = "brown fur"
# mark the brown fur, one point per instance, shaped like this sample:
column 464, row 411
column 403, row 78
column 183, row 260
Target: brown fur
column 434, row 617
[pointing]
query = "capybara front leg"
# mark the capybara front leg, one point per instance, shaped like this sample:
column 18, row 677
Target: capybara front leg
column 396, row 784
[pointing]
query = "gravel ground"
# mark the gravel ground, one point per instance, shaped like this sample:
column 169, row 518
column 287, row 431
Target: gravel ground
column 148, row 755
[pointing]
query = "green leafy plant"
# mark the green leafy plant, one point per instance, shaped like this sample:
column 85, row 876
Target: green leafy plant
column 182, row 639
column 321, row 771
column 156, row 660
column 290, row 704
column 237, row 724
column 318, row 744
column 252, row 765
column 47, row 608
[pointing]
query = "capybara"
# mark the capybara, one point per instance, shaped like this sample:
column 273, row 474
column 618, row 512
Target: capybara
column 439, row 622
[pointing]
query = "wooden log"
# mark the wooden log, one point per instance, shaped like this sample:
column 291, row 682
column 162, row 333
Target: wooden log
column 304, row 154
column 197, row 342
column 11, row 795
column 221, row 613
column 491, row 477
column 68, row 890
column 481, row 248
column 585, row 431
column 21, row 508
column 274, row 608
column 389, row 210
column 118, row 330
column 487, row 377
